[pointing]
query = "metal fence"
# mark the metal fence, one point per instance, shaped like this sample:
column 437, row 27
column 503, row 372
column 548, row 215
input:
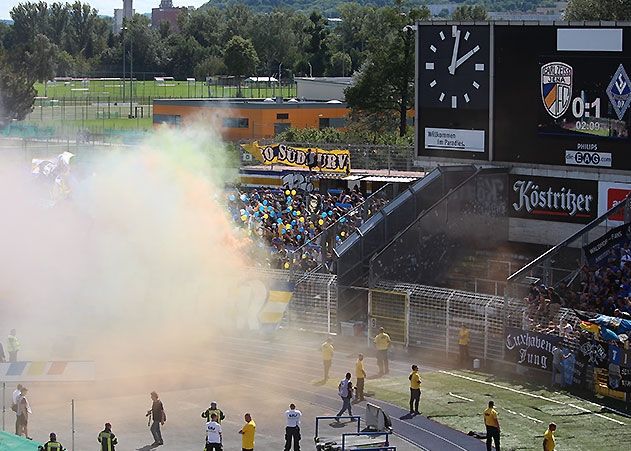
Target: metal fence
column 314, row 302
column 418, row 316
column 363, row 156
column 88, row 110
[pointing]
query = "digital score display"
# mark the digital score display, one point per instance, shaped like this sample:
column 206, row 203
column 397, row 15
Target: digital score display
column 577, row 102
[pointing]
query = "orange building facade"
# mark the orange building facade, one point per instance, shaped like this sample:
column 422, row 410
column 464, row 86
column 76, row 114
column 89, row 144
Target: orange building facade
column 250, row 119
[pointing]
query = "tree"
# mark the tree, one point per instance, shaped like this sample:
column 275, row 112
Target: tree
column 317, row 47
column 468, row 13
column 240, row 58
column 385, row 81
column 598, row 10
column 340, row 64
column 213, row 65
column 17, row 93
column 82, row 19
column 271, row 50
column 41, row 61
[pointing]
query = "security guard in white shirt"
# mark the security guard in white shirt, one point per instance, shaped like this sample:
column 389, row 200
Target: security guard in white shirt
column 213, row 434
column 292, row 431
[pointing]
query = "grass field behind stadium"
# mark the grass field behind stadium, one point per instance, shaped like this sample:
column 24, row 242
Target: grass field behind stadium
column 524, row 411
column 113, row 90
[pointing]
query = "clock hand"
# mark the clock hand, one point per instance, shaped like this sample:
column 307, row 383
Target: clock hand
column 466, row 56
column 454, row 55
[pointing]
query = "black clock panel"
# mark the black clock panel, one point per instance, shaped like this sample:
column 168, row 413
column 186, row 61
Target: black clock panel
column 454, row 67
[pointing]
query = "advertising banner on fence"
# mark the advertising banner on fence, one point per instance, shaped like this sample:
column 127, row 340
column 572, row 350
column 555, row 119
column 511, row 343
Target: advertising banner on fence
column 609, row 194
column 597, row 250
column 310, row 158
column 530, row 349
column 553, row 199
column 47, row 371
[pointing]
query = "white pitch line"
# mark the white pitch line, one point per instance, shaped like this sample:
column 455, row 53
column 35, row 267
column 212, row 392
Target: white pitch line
column 524, row 416
column 532, row 395
column 460, row 397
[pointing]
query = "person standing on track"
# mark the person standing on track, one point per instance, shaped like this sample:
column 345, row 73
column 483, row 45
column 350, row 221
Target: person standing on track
column 213, row 434
column 360, row 374
column 13, row 346
column 492, row 427
column 23, row 412
column 292, row 431
column 327, row 356
column 213, row 409
column 463, row 345
column 107, row 439
column 247, row 433
column 415, row 390
column 382, row 343
column 549, row 442
column 345, row 390
column 157, row 418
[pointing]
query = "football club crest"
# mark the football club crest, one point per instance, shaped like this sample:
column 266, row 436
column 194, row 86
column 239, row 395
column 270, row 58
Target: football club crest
column 619, row 92
column 556, row 88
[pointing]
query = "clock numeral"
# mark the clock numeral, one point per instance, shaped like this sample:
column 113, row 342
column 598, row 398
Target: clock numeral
column 479, row 67
column 442, row 96
column 476, row 85
column 466, row 98
column 454, row 101
column 432, row 84
column 432, row 48
column 442, row 36
column 429, row 66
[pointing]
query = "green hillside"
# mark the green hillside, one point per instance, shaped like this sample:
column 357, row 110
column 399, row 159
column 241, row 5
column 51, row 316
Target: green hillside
column 329, row 7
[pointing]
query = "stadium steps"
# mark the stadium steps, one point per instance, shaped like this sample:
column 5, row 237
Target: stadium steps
column 10, row 442
column 354, row 254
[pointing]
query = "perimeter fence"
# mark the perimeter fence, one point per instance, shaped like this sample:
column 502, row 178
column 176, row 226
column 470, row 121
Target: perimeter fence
column 417, row 316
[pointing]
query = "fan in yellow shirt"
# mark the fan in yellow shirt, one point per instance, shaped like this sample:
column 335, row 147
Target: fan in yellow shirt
column 327, row 356
column 463, row 344
column 415, row 390
column 361, row 376
column 382, row 343
column 549, row 441
column 247, row 433
column 492, row 427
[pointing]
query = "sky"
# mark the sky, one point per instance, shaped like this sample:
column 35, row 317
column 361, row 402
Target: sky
column 105, row 7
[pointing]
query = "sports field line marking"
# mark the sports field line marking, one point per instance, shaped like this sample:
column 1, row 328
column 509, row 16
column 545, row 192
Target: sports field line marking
column 460, row 397
column 532, row 395
column 524, row 416
column 423, row 429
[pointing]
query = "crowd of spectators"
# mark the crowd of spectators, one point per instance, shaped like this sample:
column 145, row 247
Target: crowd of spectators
column 598, row 289
column 298, row 230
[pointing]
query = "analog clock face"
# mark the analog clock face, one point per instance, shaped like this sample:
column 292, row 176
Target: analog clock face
column 453, row 68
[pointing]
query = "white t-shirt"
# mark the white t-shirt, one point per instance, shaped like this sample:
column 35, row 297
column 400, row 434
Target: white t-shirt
column 16, row 395
column 293, row 417
column 213, row 432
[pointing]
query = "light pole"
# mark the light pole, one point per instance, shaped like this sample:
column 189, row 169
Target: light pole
column 280, row 85
column 131, row 72
column 124, row 51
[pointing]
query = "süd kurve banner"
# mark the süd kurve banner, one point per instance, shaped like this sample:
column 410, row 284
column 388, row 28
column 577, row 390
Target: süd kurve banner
column 312, row 158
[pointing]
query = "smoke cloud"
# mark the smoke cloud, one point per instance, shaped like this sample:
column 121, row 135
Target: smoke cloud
column 141, row 258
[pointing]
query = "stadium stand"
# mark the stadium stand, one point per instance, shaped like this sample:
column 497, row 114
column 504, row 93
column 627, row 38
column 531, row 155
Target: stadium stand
column 300, row 229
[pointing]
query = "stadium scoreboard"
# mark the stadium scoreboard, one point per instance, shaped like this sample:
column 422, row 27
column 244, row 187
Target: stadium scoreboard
column 554, row 94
